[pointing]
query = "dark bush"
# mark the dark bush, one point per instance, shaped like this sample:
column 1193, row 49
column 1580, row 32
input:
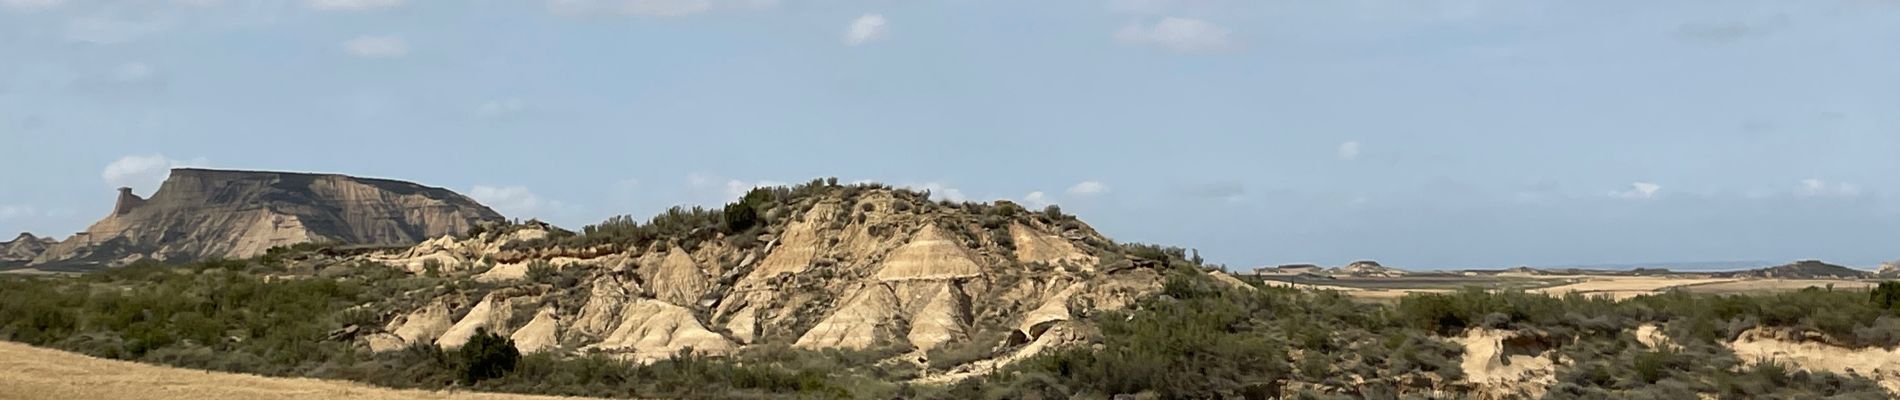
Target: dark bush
column 487, row 356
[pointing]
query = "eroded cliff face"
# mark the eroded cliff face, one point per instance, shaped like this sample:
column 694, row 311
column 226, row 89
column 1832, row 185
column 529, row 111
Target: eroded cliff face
column 201, row 213
column 848, row 269
column 23, row 249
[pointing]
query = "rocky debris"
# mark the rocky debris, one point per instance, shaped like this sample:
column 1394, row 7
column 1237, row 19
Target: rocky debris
column 202, row 213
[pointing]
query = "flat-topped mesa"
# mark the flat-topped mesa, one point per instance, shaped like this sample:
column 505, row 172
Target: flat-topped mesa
column 204, row 213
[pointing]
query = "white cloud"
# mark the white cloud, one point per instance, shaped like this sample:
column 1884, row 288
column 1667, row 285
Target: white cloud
column 865, row 29
column 500, row 107
column 737, row 188
column 31, row 4
column 352, row 5
column 1820, row 188
column 143, row 173
column 513, row 201
column 133, row 72
column 376, row 47
column 1038, row 200
column 1638, row 191
column 653, row 8
column 1088, row 188
column 9, row 211
column 1349, row 151
column 938, row 191
column 1186, row 35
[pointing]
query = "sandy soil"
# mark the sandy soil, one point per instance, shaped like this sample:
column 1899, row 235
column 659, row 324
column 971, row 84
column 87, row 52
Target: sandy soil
column 1499, row 376
column 27, row 372
column 1881, row 365
column 1623, row 287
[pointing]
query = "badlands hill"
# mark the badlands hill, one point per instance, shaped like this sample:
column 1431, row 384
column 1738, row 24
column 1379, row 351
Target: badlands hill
column 21, row 250
column 816, row 266
column 202, row 213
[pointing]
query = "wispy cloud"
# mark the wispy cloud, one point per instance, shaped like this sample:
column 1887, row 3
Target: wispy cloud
column 1349, row 150
column 1087, row 188
column 376, row 47
column 865, row 29
column 1819, row 188
column 1185, row 35
column 514, row 201
column 144, row 172
column 1638, row 191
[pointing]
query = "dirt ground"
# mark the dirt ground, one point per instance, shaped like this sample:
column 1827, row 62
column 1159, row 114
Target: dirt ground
column 28, row 372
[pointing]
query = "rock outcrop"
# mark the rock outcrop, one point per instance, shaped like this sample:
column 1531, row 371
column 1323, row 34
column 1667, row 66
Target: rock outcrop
column 23, row 249
column 201, row 213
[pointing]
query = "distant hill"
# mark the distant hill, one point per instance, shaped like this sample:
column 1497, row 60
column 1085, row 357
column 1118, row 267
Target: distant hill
column 1804, row 269
column 23, row 249
column 203, row 213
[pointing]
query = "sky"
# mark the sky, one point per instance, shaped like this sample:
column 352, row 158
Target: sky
column 1421, row 133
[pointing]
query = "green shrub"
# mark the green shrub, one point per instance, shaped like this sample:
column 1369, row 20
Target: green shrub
column 487, row 356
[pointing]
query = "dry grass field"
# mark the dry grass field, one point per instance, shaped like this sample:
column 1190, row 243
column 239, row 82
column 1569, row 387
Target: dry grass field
column 28, row 372
column 1777, row 285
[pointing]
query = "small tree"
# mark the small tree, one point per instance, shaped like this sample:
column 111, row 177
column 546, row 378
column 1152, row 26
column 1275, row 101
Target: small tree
column 1887, row 295
column 488, row 356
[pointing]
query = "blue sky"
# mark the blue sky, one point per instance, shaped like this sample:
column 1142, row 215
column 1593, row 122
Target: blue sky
column 1424, row 134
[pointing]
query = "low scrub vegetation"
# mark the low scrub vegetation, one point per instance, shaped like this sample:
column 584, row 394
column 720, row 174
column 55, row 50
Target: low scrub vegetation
column 1195, row 338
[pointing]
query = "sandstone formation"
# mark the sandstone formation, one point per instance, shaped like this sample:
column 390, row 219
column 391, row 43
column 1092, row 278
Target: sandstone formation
column 839, row 267
column 23, row 249
column 201, row 213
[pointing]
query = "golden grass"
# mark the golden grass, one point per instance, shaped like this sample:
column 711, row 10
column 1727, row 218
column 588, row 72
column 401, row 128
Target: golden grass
column 28, row 372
